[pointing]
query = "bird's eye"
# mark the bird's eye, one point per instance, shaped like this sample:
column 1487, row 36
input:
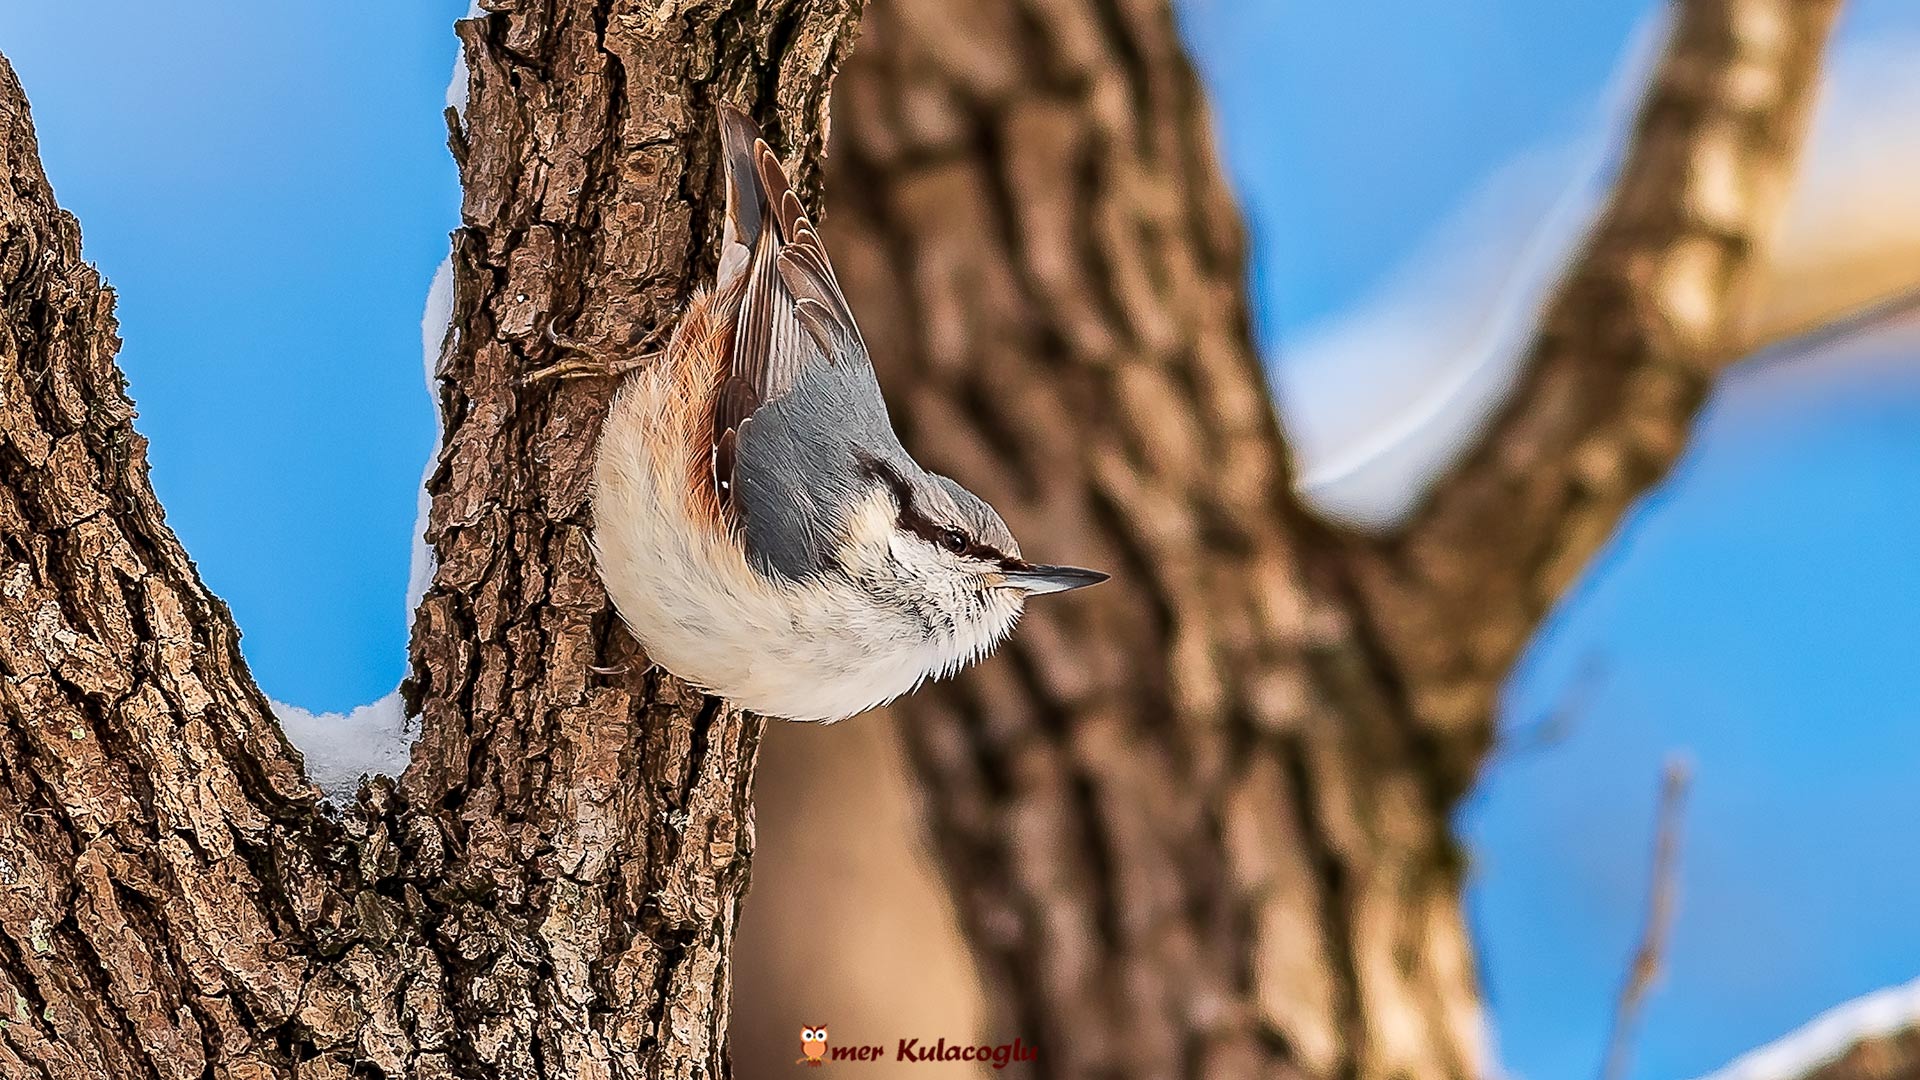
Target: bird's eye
column 954, row 540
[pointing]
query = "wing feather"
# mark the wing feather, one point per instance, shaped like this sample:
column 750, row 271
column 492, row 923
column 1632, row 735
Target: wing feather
column 791, row 316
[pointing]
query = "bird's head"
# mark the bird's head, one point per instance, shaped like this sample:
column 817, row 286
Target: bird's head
column 937, row 555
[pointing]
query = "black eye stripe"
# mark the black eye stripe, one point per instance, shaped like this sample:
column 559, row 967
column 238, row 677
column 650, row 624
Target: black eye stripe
column 876, row 469
column 914, row 521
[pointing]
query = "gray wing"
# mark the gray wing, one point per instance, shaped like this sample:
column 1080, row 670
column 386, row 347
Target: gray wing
column 804, row 461
column 800, row 401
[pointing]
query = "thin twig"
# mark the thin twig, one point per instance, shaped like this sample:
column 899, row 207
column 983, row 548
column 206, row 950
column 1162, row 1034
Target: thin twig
column 1796, row 343
column 1557, row 723
column 1662, row 890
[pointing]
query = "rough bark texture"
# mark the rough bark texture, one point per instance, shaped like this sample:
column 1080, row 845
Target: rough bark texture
column 1626, row 354
column 164, row 874
column 1195, row 821
column 551, row 890
column 599, row 826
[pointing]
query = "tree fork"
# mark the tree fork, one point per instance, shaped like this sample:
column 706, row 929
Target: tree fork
column 551, row 889
column 1197, row 824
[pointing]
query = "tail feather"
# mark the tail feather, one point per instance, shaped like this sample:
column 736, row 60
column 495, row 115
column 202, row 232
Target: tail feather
column 746, row 198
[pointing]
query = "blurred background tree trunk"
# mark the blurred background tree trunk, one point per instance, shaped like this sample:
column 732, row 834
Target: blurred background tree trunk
column 1190, row 829
column 1195, row 823
column 551, row 890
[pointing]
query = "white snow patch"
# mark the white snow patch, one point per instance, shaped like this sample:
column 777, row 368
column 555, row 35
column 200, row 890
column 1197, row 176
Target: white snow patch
column 1381, row 399
column 457, row 85
column 372, row 740
column 1850, row 233
column 377, row 738
column 1436, row 348
column 1831, row 1034
column 435, row 325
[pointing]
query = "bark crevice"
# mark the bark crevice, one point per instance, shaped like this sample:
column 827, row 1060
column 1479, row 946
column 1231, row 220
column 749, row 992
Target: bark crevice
column 552, row 889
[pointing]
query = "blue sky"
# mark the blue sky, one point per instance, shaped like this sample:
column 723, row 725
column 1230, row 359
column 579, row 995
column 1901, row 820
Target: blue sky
column 268, row 189
column 1354, row 127
column 270, row 193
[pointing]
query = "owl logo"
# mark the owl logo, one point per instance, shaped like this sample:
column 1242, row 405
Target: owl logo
column 813, row 1043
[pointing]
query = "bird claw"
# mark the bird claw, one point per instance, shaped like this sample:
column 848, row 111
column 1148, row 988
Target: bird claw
column 596, row 368
column 618, row 669
column 590, row 363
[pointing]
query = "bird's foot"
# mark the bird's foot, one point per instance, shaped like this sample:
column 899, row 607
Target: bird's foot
column 596, row 367
column 590, row 362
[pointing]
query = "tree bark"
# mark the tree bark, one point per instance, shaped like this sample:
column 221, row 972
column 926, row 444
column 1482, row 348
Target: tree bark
column 1196, row 822
column 1894, row 1055
column 1625, row 355
column 551, row 890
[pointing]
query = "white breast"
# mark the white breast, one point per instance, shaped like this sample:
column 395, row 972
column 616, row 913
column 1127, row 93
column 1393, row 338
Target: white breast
column 809, row 651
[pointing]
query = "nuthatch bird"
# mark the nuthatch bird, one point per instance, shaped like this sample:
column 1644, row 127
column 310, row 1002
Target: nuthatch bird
column 758, row 525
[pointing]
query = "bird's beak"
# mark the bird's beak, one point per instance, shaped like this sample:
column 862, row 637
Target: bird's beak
column 1035, row 579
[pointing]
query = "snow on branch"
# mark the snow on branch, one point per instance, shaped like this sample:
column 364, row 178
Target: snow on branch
column 1876, row 1037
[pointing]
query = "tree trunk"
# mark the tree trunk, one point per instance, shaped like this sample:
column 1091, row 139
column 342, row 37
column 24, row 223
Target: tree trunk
column 551, row 890
column 1195, row 822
